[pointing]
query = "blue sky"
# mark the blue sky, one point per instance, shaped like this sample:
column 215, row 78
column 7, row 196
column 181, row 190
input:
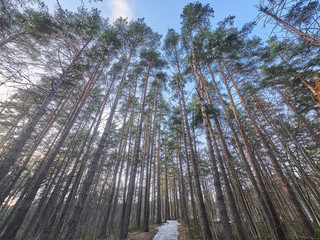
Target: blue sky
column 164, row 14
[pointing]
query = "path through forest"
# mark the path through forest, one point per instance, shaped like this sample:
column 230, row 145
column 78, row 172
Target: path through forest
column 168, row 231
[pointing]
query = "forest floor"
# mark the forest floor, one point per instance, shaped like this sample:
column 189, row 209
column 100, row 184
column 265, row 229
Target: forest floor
column 188, row 234
column 153, row 229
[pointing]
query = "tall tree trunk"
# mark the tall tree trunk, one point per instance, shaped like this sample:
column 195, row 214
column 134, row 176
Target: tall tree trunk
column 158, row 174
column 141, row 178
column 79, row 206
column 291, row 28
column 8, row 184
column 183, row 195
column 204, row 223
column 235, row 179
column 58, row 227
column 166, row 187
column 112, row 189
column 194, row 209
column 185, row 128
column 16, row 221
column 315, row 135
column 11, row 157
column 258, row 184
column 217, row 182
column 124, row 229
column 149, row 164
column 302, row 218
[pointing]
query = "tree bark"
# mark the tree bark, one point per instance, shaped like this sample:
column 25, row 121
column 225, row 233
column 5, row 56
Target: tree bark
column 124, row 226
column 79, row 206
column 259, row 187
column 302, row 218
column 11, row 157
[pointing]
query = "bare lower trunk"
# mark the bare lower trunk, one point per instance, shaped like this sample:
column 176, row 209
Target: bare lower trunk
column 258, row 184
column 217, row 182
column 124, row 226
column 16, row 221
column 158, row 177
column 79, row 206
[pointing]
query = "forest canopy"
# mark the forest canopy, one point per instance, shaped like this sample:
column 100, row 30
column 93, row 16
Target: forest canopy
column 110, row 128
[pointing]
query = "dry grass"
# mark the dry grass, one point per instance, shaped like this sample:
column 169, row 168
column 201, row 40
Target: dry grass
column 153, row 229
column 186, row 234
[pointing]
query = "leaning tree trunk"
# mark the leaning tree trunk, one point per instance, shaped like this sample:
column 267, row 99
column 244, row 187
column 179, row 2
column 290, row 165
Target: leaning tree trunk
column 58, row 226
column 204, row 223
column 286, row 187
column 124, row 227
column 111, row 191
column 259, row 186
column 10, row 158
column 8, row 184
column 290, row 27
column 16, row 221
column 214, row 166
column 79, row 206
column 234, row 177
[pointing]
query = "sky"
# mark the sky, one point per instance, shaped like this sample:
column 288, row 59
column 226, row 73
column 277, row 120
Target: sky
column 161, row 15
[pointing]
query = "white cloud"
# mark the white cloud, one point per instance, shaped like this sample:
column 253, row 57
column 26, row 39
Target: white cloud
column 120, row 8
